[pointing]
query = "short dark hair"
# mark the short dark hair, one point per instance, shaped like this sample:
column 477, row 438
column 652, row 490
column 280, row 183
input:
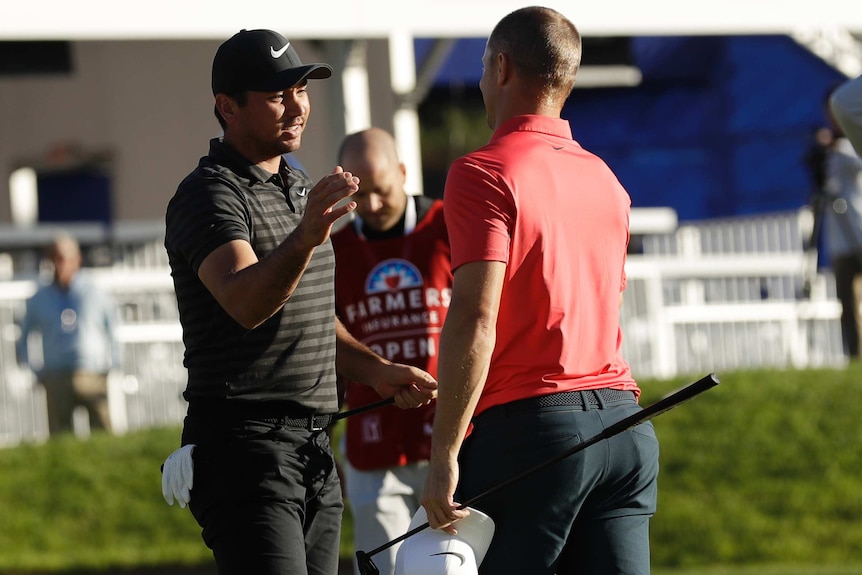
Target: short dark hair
column 542, row 44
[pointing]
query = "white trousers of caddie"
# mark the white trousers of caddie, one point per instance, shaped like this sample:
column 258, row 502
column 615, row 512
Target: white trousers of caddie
column 383, row 502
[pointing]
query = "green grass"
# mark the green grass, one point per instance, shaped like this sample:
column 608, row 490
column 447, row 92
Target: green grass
column 764, row 468
column 92, row 504
column 761, row 475
column 770, row 569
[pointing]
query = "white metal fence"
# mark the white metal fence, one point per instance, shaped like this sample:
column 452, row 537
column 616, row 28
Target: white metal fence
column 148, row 390
column 731, row 293
column 710, row 296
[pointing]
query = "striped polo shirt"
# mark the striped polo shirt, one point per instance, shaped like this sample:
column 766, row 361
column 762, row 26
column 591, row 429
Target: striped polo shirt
column 291, row 356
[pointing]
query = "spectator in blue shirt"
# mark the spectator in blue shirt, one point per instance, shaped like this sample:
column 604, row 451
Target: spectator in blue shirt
column 76, row 321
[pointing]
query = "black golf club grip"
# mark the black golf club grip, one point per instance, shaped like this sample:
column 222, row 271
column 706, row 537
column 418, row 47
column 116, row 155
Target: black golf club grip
column 665, row 404
column 363, row 409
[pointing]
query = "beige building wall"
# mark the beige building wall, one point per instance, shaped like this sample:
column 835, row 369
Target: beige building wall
column 148, row 105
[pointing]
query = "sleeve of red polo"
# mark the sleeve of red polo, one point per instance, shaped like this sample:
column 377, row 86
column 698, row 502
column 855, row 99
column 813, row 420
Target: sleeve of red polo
column 479, row 212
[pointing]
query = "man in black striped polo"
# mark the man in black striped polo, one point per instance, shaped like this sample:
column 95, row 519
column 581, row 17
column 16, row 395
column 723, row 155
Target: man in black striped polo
column 248, row 243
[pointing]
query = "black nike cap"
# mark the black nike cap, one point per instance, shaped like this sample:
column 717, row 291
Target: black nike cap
column 260, row 61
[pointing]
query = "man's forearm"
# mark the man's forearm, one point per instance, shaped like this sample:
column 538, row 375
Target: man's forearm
column 232, row 272
column 276, row 276
column 353, row 359
column 466, row 345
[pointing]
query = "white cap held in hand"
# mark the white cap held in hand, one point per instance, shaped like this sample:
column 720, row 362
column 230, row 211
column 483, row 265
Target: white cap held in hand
column 435, row 552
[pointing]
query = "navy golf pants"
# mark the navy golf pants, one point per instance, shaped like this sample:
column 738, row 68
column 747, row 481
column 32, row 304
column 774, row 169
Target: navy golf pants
column 587, row 514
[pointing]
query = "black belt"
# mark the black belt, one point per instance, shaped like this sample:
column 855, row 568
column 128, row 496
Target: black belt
column 271, row 413
column 582, row 399
column 309, row 422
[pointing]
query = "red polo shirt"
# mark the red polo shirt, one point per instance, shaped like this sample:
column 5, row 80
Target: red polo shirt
column 558, row 217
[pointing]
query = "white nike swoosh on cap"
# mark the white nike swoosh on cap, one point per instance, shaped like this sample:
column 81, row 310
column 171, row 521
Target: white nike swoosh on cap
column 277, row 53
column 458, row 555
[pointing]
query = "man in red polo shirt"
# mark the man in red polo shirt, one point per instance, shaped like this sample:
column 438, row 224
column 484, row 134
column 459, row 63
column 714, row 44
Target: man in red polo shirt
column 530, row 350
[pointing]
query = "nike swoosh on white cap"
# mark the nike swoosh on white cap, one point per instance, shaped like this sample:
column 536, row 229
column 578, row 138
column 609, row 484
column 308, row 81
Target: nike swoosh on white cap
column 277, row 53
column 458, row 555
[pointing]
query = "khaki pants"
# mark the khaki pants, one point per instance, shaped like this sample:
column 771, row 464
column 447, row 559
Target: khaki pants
column 66, row 391
column 857, row 311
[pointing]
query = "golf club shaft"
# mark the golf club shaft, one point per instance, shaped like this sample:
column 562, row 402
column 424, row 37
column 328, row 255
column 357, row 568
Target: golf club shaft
column 363, row 409
column 665, row 404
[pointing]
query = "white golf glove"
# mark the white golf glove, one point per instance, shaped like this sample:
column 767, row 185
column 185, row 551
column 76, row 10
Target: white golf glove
column 177, row 475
